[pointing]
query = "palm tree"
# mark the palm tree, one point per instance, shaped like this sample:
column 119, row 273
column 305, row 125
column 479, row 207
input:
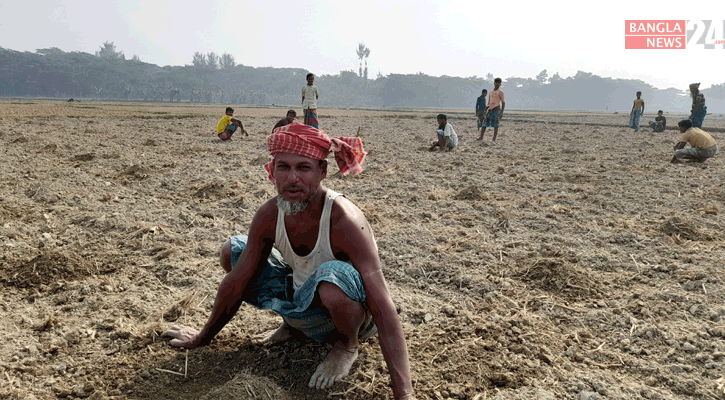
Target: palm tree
column 367, row 54
column 361, row 50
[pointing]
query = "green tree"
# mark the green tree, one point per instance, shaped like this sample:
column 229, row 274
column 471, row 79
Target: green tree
column 212, row 60
column 227, row 61
column 50, row 50
column 108, row 52
column 199, row 59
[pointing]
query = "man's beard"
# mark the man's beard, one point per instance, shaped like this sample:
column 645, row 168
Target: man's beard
column 290, row 208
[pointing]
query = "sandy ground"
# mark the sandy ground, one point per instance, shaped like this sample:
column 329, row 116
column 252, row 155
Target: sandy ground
column 567, row 260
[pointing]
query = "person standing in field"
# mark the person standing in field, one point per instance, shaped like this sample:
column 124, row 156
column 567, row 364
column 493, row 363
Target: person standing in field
column 310, row 95
column 699, row 110
column 636, row 113
column 494, row 110
column 481, row 110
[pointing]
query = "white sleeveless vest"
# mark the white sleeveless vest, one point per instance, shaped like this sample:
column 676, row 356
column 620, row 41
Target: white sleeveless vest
column 303, row 267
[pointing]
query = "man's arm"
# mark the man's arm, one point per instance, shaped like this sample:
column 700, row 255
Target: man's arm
column 231, row 290
column 679, row 145
column 303, row 95
column 352, row 235
column 240, row 125
column 642, row 108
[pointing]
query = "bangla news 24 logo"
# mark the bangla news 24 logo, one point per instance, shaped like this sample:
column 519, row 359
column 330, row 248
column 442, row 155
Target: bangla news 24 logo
column 674, row 34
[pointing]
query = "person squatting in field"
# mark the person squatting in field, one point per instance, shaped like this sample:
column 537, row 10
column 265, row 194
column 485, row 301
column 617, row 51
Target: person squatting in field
column 447, row 139
column 227, row 125
column 660, row 122
column 288, row 119
column 311, row 257
column 702, row 145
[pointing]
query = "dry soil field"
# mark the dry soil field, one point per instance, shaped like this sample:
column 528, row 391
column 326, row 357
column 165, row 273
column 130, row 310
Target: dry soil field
column 567, row 260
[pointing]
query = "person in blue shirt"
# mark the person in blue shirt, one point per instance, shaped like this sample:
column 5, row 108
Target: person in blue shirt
column 481, row 109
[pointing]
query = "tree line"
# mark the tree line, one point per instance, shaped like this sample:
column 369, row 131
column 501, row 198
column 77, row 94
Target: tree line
column 210, row 78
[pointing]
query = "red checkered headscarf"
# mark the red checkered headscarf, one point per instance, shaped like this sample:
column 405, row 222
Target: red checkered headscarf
column 304, row 140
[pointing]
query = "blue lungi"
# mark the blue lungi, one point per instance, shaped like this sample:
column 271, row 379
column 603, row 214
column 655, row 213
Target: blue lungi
column 274, row 291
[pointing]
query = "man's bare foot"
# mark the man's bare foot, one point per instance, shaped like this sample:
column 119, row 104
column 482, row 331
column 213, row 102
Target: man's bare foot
column 278, row 335
column 335, row 367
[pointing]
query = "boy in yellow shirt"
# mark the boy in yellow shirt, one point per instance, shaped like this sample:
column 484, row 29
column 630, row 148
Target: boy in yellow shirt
column 228, row 125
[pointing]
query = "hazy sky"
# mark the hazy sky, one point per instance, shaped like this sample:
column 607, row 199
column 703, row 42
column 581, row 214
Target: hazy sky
column 436, row 37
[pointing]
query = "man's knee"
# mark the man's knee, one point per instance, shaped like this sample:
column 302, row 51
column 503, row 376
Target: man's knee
column 331, row 296
column 225, row 256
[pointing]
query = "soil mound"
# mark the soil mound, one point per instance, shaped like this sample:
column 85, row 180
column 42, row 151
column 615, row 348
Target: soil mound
column 470, row 193
column 45, row 268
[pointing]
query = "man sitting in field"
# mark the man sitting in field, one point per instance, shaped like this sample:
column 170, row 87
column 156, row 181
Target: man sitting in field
column 311, row 257
column 227, row 125
column 702, row 145
column 288, row 119
column 660, row 122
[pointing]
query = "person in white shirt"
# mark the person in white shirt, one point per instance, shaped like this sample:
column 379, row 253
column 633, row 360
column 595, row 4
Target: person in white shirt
column 310, row 95
column 447, row 137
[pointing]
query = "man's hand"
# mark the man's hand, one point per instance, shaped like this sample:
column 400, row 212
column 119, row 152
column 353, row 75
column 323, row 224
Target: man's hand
column 183, row 336
column 245, row 132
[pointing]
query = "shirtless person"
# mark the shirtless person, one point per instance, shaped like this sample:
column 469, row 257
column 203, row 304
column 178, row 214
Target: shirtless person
column 288, row 119
column 324, row 276
column 637, row 112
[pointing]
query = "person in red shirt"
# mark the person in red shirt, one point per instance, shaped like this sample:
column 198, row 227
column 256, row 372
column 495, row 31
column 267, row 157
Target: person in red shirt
column 494, row 110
